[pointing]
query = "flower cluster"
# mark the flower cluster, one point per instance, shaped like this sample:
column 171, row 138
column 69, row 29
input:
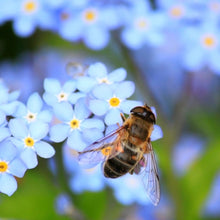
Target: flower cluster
column 193, row 25
column 77, row 112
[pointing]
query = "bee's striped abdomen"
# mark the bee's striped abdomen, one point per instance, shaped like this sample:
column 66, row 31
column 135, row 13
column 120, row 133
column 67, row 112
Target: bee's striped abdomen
column 121, row 163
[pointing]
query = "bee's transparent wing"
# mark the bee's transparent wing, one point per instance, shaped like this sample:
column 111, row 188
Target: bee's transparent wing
column 101, row 149
column 151, row 177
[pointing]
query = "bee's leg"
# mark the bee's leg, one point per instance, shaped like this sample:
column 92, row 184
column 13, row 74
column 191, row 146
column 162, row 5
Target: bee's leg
column 123, row 117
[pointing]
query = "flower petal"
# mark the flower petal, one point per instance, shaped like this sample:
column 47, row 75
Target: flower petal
column 98, row 107
column 97, row 70
column 81, row 110
column 93, row 123
column 102, row 91
column 157, row 133
column 29, row 157
column 63, row 111
column 45, row 116
column 4, row 133
column 44, row 149
column 125, row 89
column 7, row 151
column 76, row 141
column 59, row 132
column 69, row 86
column 127, row 105
column 85, row 84
column 52, row 85
column 91, row 135
column 18, row 128
column 8, row 184
column 38, row 130
column 17, row 168
column 113, row 117
column 34, row 103
column 117, row 75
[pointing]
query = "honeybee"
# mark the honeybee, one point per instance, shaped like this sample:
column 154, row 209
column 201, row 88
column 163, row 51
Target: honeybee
column 128, row 149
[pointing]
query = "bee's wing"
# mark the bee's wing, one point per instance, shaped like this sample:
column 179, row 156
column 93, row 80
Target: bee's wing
column 101, row 149
column 151, row 177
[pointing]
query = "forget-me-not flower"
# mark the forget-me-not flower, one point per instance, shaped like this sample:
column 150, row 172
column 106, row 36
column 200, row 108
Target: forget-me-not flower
column 143, row 26
column 97, row 74
column 28, row 139
column 205, row 51
column 10, row 166
column 56, row 93
column 76, row 126
column 110, row 101
column 31, row 14
column 129, row 189
column 81, row 179
column 34, row 110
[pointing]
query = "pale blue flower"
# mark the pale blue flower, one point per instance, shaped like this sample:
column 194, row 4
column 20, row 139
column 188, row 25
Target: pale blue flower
column 76, row 126
column 97, row 74
column 28, row 139
column 143, row 26
column 186, row 151
column 110, row 101
column 31, row 14
column 129, row 189
column 55, row 93
column 10, row 166
column 33, row 111
column 64, row 204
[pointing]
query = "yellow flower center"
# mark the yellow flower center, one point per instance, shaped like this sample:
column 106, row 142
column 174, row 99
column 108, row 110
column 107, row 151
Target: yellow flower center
column 30, row 6
column 209, row 41
column 3, row 166
column 75, row 123
column 29, row 142
column 103, row 80
column 90, row 15
column 176, row 11
column 106, row 151
column 114, row 102
column 141, row 23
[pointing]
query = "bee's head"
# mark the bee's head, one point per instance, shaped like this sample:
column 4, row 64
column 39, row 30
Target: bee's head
column 144, row 112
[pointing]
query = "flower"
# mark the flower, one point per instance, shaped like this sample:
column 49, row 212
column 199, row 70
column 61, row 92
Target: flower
column 29, row 15
column 55, row 93
column 97, row 74
column 33, row 111
column 8, row 103
column 110, row 101
column 10, row 166
column 81, row 179
column 142, row 26
column 205, row 51
column 91, row 25
column 188, row 149
column 28, row 139
column 129, row 189
column 64, row 204
column 76, row 126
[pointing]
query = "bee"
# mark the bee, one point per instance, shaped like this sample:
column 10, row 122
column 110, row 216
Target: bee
column 128, row 149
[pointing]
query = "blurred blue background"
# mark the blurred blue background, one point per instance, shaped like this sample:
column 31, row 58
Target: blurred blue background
column 171, row 50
